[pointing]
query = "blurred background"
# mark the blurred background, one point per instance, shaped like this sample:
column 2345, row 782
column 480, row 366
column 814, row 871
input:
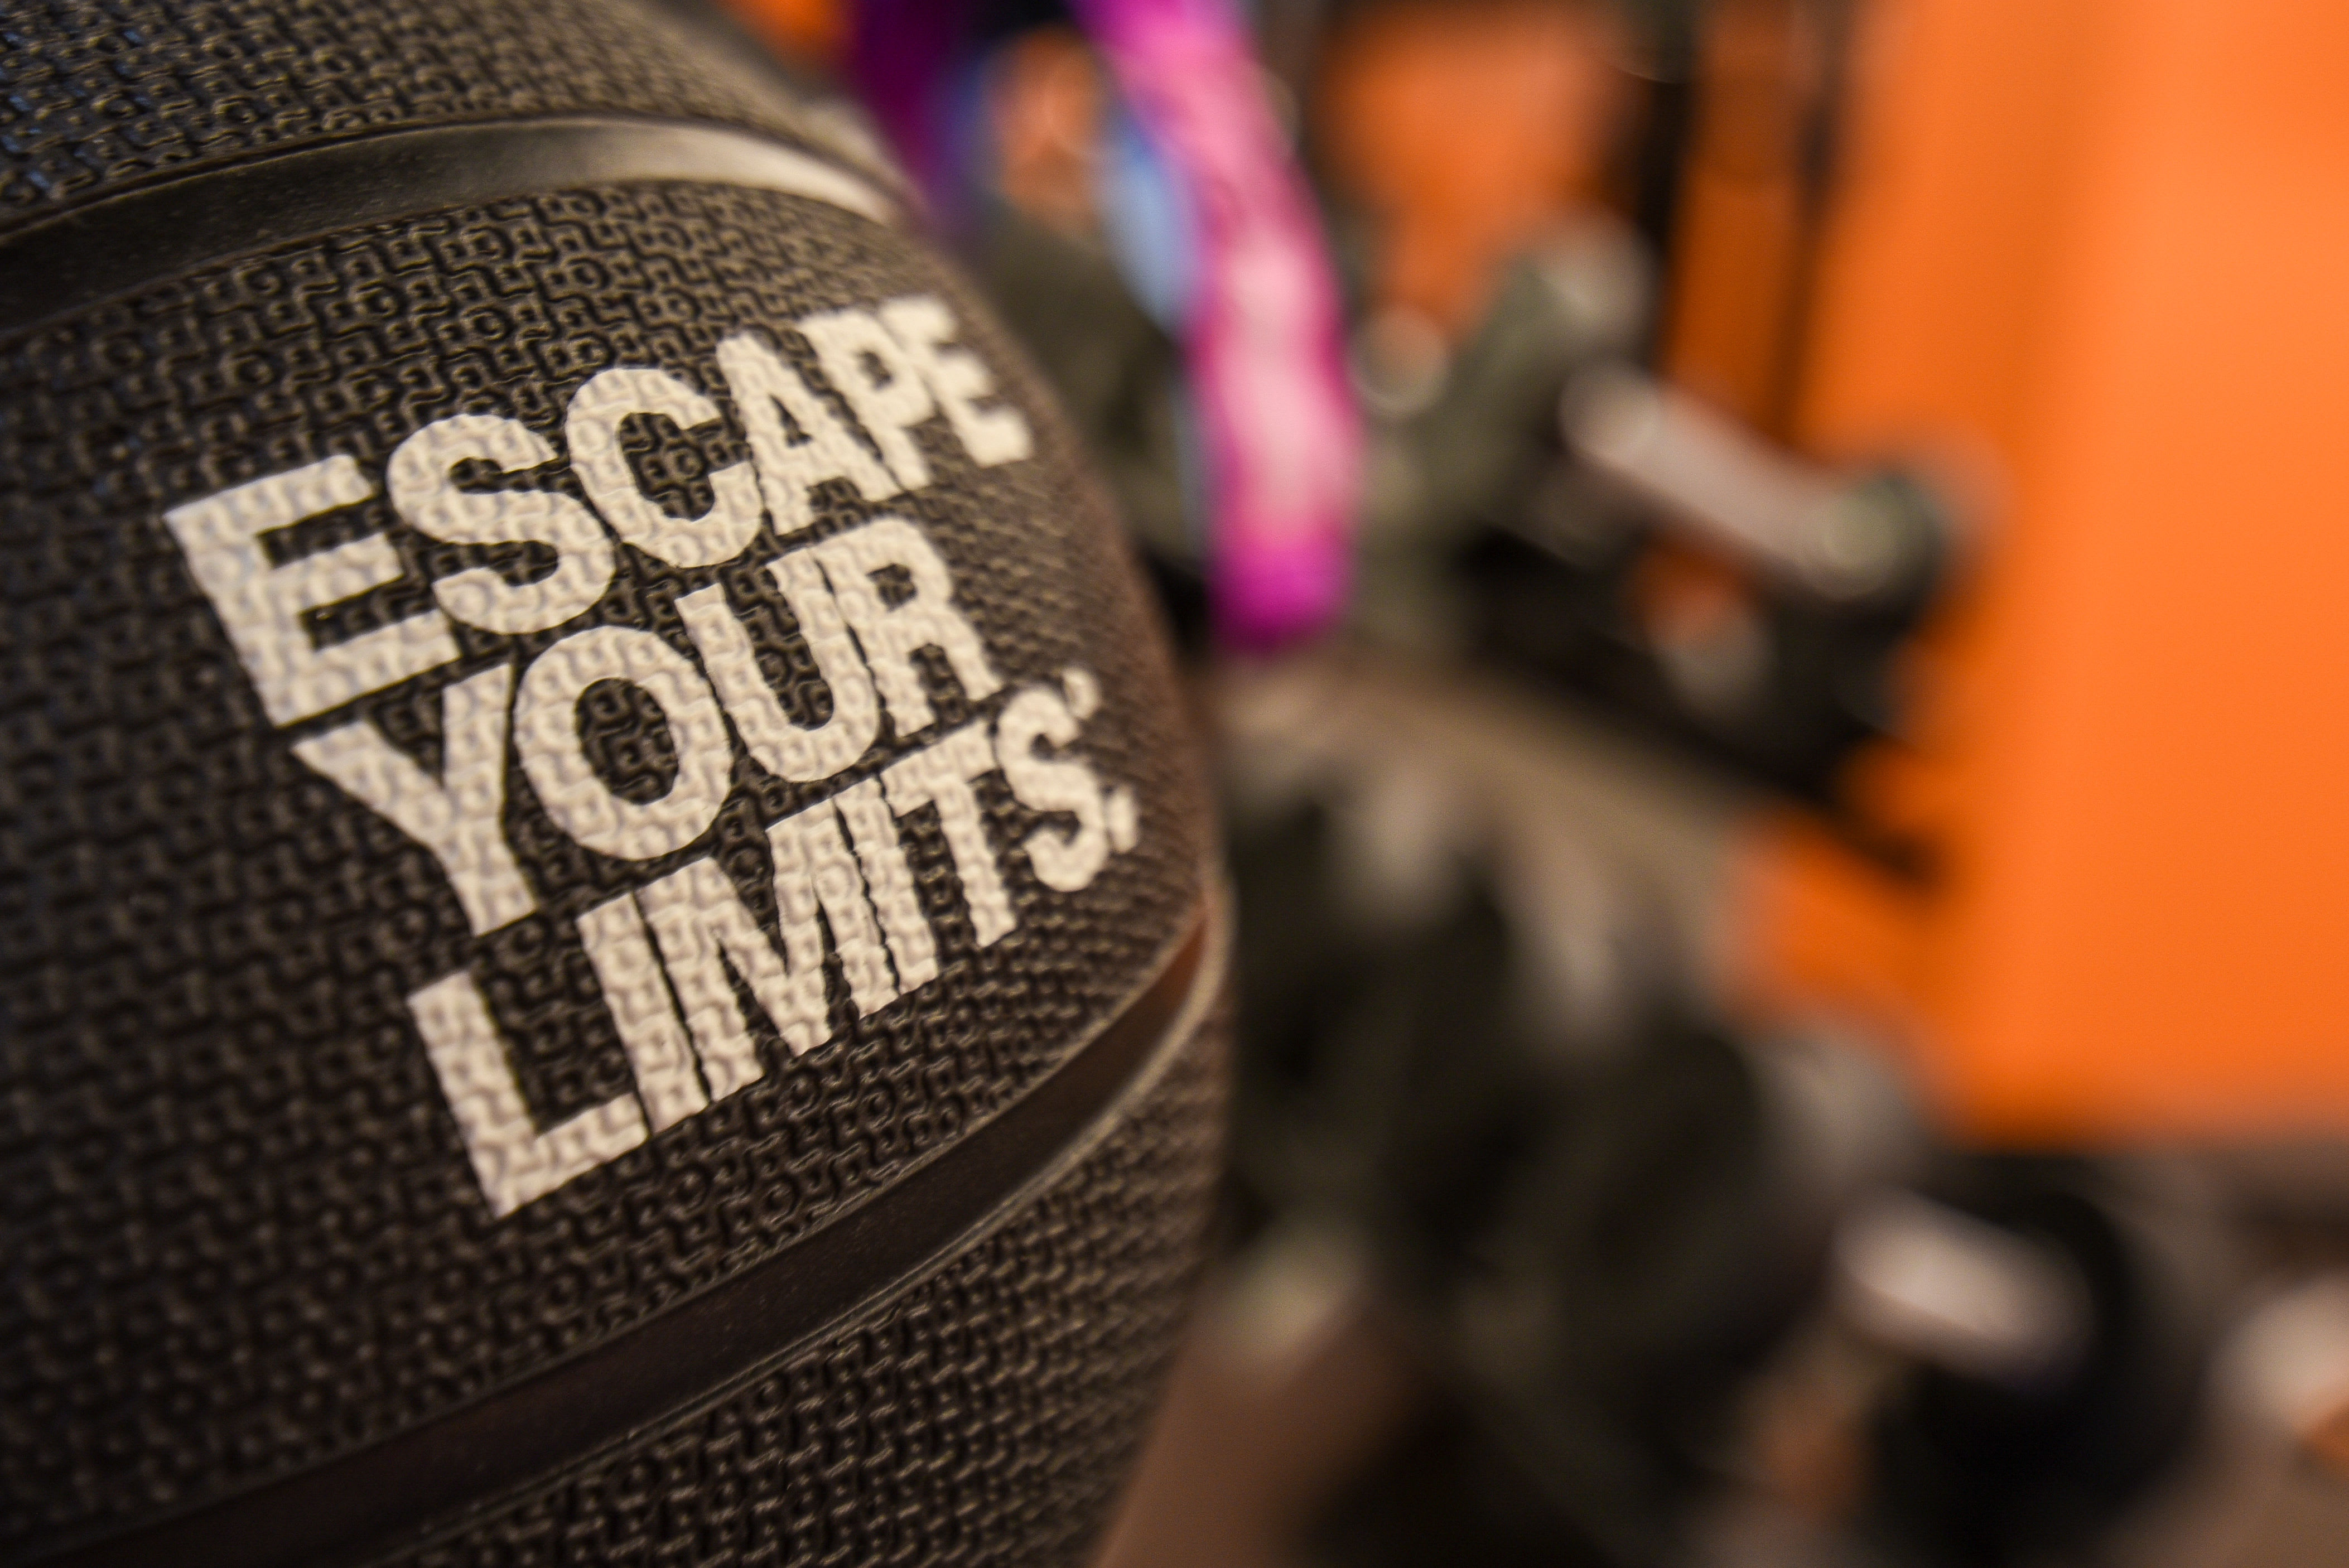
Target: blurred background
column 1763, row 580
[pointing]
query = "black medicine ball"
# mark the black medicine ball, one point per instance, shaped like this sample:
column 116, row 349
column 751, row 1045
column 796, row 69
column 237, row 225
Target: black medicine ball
column 606, row 947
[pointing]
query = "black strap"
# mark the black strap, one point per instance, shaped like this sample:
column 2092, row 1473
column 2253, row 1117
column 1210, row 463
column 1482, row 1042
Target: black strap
column 87, row 255
column 371, row 1498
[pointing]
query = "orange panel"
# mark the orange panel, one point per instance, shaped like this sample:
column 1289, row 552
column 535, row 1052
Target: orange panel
column 811, row 30
column 1467, row 131
column 1738, row 249
column 2103, row 243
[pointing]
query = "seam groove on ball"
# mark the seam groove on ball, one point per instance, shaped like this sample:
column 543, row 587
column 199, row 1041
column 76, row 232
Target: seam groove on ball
column 105, row 94
column 713, row 1342
column 130, row 241
column 984, row 1412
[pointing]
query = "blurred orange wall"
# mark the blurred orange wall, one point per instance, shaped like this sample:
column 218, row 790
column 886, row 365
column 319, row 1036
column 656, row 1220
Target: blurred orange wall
column 1466, row 130
column 1739, row 241
column 814, row 31
column 2097, row 251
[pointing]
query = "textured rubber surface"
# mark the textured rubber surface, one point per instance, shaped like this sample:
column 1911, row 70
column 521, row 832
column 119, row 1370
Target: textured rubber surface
column 97, row 95
column 984, row 1416
column 241, row 1231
